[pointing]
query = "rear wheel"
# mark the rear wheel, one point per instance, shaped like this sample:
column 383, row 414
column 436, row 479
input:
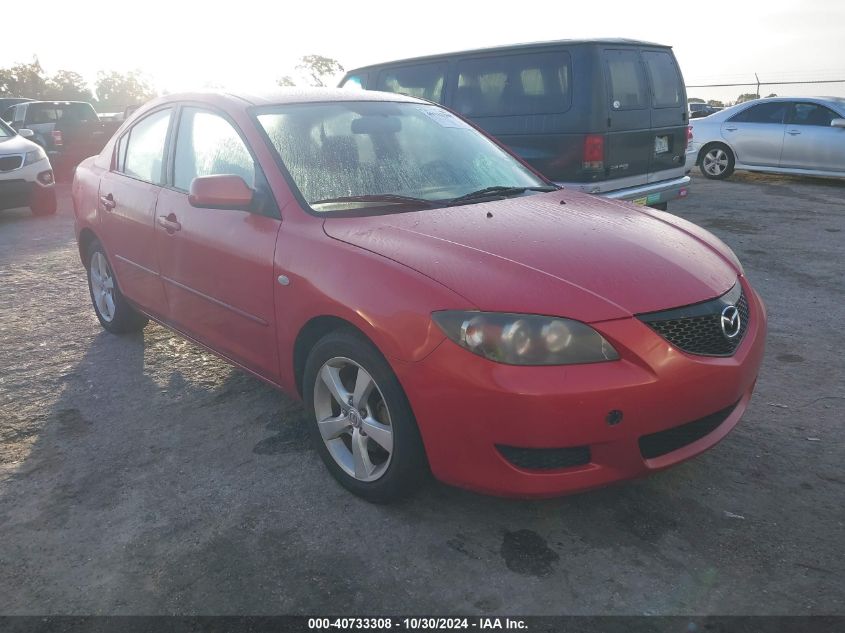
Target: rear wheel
column 113, row 311
column 717, row 161
column 361, row 421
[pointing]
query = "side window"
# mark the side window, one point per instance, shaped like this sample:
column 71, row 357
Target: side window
column 537, row 83
column 143, row 155
column 625, row 80
column 424, row 81
column 355, row 82
column 812, row 114
column 772, row 112
column 207, row 144
column 665, row 81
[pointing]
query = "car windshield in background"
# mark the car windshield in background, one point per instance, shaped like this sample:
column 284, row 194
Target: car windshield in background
column 5, row 130
column 352, row 155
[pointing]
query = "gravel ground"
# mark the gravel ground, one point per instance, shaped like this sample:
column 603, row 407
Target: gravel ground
column 141, row 475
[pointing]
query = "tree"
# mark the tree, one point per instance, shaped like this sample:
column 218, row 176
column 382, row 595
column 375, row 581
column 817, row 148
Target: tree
column 748, row 96
column 23, row 80
column 716, row 103
column 695, row 100
column 67, row 85
column 285, row 81
column 771, row 95
column 116, row 91
column 317, row 69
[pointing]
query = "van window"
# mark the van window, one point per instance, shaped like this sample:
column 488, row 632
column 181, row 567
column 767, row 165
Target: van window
column 355, row 82
column 771, row 112
column 515, row 84
column 424, row 81
column 625, row 79
column 665, row 82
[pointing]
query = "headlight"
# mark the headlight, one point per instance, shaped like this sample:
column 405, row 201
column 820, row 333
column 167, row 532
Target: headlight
column 525, row 339
column 34, row 156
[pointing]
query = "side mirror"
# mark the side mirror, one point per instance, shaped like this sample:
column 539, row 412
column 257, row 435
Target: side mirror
column 26, row 132
column 222, row 191
column 837, row 123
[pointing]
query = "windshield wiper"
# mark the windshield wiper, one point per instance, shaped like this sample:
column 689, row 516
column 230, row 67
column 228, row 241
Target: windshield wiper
column 498, row 190
column 379, row 197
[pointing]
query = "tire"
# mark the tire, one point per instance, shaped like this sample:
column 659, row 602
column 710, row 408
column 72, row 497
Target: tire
column 385, row 475
column 112, row 310
column 43, row 201
column 716, row 161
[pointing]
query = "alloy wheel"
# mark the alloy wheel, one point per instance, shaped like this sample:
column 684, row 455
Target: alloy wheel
column 102, row 286
column 353, row 419
column 715, row 162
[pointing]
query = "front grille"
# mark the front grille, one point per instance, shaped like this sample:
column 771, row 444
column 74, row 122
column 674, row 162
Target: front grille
column 697, row 329
column 10, row 163
column 663, row 442
column 546, row 458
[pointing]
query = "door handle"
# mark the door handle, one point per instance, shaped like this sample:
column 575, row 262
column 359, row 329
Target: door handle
column 730, row 128
column 108, row 202
column 793, row 132
column 170, row 223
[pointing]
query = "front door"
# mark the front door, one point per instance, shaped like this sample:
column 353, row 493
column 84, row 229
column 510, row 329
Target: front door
column 217, row 264
column 810, row 141
column 127, row 204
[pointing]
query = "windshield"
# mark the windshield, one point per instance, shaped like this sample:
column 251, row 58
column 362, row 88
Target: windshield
column 375, row 149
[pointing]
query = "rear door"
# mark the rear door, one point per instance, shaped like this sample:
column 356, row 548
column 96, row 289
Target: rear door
column 810, row 141
column 756, row 134
column 668, row 114
column 630, row 140
column 127, row 204
column 217, row 264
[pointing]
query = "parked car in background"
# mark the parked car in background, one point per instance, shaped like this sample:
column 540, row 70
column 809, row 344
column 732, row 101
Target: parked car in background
column 699, row 110
column 601, row 116
column 8, row 102
column 26, row 177
column 67, row 130
column 434, row 301
column 802, row 136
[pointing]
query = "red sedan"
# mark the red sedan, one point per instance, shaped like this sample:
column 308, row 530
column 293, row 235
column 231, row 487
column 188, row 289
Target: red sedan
column 434, row 302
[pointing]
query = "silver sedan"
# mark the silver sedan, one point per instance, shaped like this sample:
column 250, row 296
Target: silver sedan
column 804, row 136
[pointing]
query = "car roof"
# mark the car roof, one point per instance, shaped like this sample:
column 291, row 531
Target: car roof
column 284, row 96
column 520, row 47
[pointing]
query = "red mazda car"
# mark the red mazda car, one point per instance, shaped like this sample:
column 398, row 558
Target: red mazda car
column 435, row 302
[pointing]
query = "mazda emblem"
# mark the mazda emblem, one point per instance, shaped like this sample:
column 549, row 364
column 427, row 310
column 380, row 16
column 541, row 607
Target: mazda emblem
column 731, row 322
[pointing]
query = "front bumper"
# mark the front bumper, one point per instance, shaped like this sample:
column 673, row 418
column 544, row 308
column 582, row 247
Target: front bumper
column 18, row 187
column 466, row 406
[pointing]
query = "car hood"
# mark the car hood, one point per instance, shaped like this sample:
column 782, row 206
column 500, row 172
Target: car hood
column 16, row 145
column 561, row 253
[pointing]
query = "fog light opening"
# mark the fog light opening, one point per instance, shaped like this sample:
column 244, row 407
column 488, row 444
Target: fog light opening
column 46, row 177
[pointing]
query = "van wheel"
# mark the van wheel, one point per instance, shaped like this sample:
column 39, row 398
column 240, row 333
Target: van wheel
column 717, row 161
column 112, row 309
column 360, row 420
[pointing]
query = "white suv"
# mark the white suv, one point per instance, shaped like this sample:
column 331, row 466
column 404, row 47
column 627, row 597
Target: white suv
column 26, row 177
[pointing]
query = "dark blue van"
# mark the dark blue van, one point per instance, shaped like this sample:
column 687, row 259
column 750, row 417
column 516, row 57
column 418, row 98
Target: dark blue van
column 602, row 116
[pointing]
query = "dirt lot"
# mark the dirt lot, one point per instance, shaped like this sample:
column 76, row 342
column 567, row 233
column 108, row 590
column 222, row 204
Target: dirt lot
column 142, row 475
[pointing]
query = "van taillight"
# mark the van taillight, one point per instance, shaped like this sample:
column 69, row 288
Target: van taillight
column 58, row 141
column 689, row 137
column 594, row 151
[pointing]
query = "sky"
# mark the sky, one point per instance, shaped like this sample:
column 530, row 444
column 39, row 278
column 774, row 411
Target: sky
column 247, row 45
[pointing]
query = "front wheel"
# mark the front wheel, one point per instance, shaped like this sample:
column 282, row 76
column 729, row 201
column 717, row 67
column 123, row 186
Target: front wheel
column 113, row 311
column 361, row 421
column 717, row 162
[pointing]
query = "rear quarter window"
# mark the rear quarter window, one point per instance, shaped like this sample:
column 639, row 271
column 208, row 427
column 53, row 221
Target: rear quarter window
column 539, row 83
